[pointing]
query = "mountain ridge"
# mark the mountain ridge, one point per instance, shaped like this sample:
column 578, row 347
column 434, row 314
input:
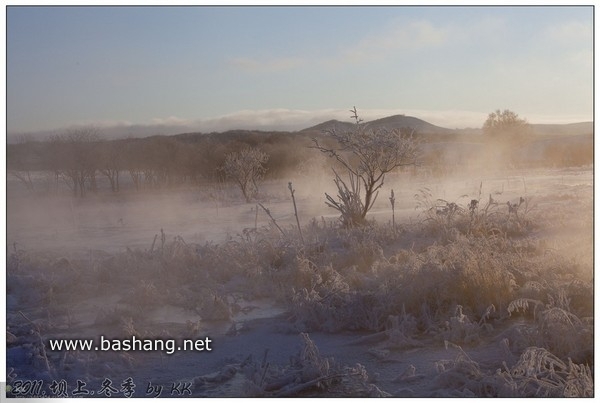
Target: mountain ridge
column 423, row 127
column 388, row 122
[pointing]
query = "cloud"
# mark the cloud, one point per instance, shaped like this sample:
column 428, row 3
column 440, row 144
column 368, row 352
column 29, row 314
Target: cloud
column 415, row 35
column 98, row 124
column 398, row 36
column 570, row 32
column 451, row 119
column 266, row 66
column 267, row 119
column 171, row 120
column 574, row 38
column 583, row 58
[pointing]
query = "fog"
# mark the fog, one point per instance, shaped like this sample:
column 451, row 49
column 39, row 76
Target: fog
column 54, row 221
column 60, row 223
column 198, row 261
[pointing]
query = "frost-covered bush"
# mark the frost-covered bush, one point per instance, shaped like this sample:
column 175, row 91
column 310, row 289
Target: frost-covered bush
column 477, row 217
column 366, row 156
column 246, row 168
column 539, row 373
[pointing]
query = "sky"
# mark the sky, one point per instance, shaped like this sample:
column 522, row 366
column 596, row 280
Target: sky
column 220, row 68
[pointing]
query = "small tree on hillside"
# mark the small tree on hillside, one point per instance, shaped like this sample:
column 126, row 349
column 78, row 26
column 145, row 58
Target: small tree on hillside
column 366, row 155
column 246, row 168
column 506, row 126
column 506, row 134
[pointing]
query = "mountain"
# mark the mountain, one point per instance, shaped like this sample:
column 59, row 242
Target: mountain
column 390, row 122
column 403, row 121
column 563, row 129
column 423, row 127
column 330, row 125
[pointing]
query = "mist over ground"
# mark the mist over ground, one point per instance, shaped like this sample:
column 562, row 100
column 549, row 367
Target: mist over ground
column 475, row 281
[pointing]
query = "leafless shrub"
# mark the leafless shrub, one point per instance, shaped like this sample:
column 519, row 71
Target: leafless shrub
column 538, row 373
column 446, row 219
column 523, row 305
column 145, row 295
column 112, row 316
column 460, row 329
column 460, row 374
column 309, row 374
column 366, row 156
column 247, row 169
column 439, row 214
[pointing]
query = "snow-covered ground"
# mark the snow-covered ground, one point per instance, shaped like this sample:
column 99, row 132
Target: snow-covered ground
column 111, row 223
column 63, row 252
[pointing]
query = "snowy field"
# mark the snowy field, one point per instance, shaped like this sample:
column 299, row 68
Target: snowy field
column 427, row 301
column 111, row 223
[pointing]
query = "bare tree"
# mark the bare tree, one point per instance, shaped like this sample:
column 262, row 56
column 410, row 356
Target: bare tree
column 246, row 168
column 110, row 161
column 53, row 159
column 134, row 161
column 77, row 160
column 18, row 160
column 366, row 155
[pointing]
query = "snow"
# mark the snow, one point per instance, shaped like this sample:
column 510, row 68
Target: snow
column 69, row 249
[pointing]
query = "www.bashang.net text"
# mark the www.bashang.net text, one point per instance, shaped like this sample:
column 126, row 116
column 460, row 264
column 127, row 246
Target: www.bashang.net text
column 168, row 346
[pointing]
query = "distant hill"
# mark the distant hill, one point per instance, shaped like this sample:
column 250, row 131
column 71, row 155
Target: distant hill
column 563, row 129
column 390, row 122
column 329, row 125
column 203, row 153
column 403, row 121
column 423, row 127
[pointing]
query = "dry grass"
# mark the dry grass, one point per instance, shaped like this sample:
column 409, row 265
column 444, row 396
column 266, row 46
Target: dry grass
column 476, row 267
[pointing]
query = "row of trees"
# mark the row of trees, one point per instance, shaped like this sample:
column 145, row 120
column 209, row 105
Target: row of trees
column 78, row 158
column 362, row 157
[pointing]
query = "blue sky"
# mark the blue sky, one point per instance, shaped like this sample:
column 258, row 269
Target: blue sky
column 216, row 68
